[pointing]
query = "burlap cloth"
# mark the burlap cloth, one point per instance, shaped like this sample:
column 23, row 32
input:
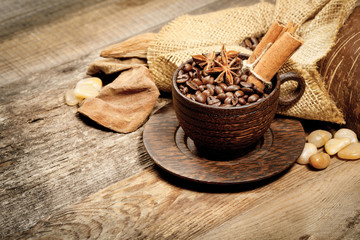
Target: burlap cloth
column 318, row 20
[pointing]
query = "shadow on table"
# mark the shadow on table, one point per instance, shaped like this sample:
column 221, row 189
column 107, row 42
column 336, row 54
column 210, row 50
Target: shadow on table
column 214, row 188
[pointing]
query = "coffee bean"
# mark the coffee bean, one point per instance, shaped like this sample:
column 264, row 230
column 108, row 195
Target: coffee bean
column 221, row 96
column 185, row 90
column 246, row 84
column 233, row 88
column 251, row 43
column 197, row 92
column 195, row 75
column 202, row 88
column 197, row 72
column 187, row 67
column 258, row 90
column 253, row 98
column 182, row 78
column 241, row 101
column 236, row 80
column 247, row 90
column 228, row 100
column 234, row 100
column 229, row 94
column 226, row 105
column 218, row 90
column 216, row 104
column 211, row 88
column 212, row 100
column 245, row 96
column 265, row 95
column 200, row 98
column 255, row 42
column 239, row 93
column 207, row 93
column 243, row 78
column 208, row 80
column 192, row 85
column 197, row 81
column 248, row 43
column 223, row 86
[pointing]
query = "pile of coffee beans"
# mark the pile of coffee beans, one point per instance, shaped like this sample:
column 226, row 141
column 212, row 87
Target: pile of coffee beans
column 200, row 86
column 251, row 42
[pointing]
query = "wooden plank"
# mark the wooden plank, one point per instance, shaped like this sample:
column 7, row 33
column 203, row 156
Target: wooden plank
column 49, row 155
column 35, row 38
column 301, row 204
column 325, row 206
column 20, row 15
column 81, row 31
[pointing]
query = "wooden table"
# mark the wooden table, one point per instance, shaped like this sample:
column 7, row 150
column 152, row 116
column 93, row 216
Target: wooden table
column 63, row 177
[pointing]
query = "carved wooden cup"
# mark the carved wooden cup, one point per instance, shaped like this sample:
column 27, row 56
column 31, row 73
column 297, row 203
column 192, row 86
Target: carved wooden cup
column 231, row 128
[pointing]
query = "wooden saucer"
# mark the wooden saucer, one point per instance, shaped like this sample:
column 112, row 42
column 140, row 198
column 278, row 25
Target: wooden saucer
column 173, row 151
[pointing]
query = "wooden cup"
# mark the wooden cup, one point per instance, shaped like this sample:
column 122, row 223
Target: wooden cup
column 231, row 128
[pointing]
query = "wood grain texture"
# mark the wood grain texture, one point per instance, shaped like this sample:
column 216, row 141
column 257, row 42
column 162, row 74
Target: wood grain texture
column 174, row 152
column 36, row 35
column 69, row 177
column 16, row 15
column 81, row 30
column 49, row 156
column 153, row 205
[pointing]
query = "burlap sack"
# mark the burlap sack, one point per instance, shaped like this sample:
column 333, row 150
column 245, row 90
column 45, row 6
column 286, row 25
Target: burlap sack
column 319, row 22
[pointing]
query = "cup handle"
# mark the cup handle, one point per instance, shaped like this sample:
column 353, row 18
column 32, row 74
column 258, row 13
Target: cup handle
column 295, row 95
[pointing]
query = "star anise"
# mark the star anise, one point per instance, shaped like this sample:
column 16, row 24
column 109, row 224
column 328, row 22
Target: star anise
column 225, row 68
column 232, row 54
column 205, row 61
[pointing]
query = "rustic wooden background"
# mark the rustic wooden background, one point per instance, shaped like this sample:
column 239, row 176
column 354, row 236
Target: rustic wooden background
column 63, row 177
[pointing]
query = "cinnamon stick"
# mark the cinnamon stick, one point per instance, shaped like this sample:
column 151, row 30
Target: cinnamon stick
column 280, row 51
column 272, row 34
column 292, row 27
column 289, row 26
